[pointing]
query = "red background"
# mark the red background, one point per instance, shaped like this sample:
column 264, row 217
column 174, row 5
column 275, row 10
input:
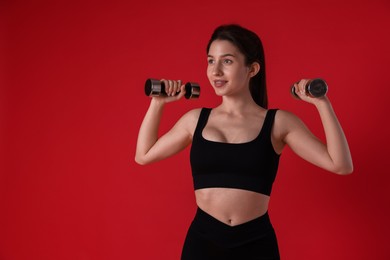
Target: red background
column 72, row 100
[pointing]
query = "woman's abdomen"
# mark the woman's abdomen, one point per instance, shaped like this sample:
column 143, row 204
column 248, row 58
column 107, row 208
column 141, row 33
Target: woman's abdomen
column 232, row 206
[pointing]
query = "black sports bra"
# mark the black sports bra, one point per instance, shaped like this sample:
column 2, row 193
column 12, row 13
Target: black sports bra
column 249, row 166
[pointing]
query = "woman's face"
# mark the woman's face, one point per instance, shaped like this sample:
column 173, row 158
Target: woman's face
column 226, row 70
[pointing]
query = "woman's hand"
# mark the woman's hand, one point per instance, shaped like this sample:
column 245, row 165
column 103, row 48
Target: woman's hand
column 300, row 91
column 174, row 89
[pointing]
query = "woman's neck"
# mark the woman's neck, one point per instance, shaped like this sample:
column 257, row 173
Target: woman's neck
column 238, row 105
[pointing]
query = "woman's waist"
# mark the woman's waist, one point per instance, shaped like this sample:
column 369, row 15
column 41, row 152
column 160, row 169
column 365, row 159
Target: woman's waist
column 232, row 206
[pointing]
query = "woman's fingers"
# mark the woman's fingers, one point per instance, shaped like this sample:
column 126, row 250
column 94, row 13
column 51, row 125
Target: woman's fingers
column 173, row 89
column 300, row 88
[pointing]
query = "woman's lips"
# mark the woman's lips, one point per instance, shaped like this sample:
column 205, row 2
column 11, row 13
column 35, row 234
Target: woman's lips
column 219, row 83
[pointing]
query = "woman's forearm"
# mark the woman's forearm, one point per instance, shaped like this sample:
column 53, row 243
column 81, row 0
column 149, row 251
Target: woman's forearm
column 336, row 141
column 148, row 133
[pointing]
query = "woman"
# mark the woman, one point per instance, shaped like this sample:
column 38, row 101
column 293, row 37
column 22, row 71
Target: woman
column 236, row 147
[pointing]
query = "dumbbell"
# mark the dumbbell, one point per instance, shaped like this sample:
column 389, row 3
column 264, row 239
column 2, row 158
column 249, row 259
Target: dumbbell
column 314, row 88
column 155, row 88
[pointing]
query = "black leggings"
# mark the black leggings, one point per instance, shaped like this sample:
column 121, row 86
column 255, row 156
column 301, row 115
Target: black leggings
column 209, row 238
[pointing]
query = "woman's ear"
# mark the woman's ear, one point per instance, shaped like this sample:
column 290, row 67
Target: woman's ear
column 254, row 69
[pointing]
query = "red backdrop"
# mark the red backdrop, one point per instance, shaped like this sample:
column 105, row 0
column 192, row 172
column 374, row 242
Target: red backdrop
column 72, row 100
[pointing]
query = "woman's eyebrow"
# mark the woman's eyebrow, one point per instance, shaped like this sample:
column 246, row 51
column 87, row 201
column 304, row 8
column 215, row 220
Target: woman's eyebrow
column 224, row 55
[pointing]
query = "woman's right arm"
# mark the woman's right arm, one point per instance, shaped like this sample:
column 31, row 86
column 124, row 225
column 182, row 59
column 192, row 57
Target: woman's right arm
column 151, row 148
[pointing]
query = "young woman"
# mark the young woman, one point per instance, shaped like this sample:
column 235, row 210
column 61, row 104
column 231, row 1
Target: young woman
column 236, row 147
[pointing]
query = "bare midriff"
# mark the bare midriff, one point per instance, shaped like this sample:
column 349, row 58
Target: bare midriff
column 232, row 206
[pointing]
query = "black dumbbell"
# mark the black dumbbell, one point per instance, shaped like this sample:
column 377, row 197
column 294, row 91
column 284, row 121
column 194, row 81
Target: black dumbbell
column 155, row 87
column 314, row 88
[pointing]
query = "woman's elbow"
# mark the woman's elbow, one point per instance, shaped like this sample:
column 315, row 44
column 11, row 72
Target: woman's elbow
column 140, row 160
column 346, row 170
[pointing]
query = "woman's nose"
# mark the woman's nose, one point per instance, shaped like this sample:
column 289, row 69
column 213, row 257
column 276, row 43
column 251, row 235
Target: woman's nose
column 217, row 70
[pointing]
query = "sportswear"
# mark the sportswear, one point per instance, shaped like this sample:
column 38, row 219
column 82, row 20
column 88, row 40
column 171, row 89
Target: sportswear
column 249, row 166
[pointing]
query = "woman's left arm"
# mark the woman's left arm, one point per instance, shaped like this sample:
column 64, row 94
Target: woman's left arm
column 334, row 155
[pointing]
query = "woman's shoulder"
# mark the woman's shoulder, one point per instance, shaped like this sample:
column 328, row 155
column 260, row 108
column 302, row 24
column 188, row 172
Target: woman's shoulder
column 194, row 113
column 285, row 121
column 284, row 114
column 192, row 116
column 190, row 119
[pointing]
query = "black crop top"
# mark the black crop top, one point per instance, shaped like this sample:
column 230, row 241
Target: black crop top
column 249, row 166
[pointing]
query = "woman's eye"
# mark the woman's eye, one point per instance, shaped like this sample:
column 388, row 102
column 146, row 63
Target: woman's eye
column 227, row 61
column 210, row 61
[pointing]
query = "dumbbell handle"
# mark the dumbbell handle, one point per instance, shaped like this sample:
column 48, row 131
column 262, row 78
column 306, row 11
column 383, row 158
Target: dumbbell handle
column 314, row 88
column 155, row 88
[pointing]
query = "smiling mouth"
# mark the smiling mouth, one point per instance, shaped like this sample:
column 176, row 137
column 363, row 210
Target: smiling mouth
column 219, row 83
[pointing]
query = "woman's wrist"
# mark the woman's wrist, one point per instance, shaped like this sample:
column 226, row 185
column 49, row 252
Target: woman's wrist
column 322, row 102
column 157, row 102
